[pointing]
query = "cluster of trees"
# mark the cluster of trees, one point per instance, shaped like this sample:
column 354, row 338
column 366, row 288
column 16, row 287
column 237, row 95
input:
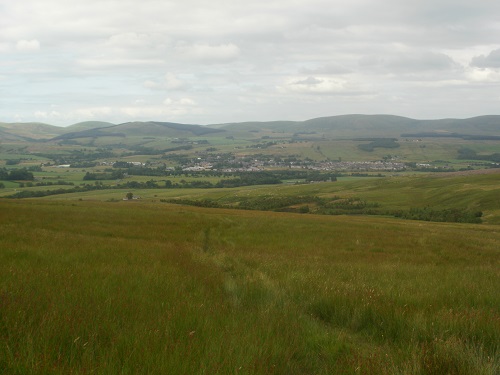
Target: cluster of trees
column 378, row 143
column 235, row 178
column 22, row 174
column 262, row 145
column 451, row 215
column 347, row 206
column 333, row 206
column 197, row 203
column 452, row 135
column 139, row 185
column 299, row 203
column 83, row 164
column 144, row 171
column 414, row 167
column 112, row 175
column 45, row 193
column 468, row 154
column 48, row 183
column 289, row 174
column 263, row 203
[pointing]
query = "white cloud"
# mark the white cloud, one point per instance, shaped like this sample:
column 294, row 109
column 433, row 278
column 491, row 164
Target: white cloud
column 129, row 40
column 484, row 75
column 28, row 45
column 171, row 109
column 179, row 102
column 328, row 68
column 209, row 53
column 180, row 106
column 117, row 63
column 94, row 112
column 320, row 86
column 47, row 115
column 4, row 47
column 170, row 82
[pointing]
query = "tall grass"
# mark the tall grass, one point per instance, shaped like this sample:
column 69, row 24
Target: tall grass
column 140, row 288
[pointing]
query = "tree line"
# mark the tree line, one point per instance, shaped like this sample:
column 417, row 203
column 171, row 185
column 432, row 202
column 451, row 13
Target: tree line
column 22, row 174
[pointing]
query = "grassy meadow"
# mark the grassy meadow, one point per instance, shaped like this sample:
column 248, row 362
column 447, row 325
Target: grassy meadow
column 143, row 287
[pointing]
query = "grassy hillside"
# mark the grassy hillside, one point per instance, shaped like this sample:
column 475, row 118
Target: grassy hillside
column 86, row 125
column 32, row 130
column 381, row 196
column 132, row 287
column 141, row 129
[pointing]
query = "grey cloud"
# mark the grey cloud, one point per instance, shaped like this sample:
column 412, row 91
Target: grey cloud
column 421, row 62
column 490, row 61
column 309, row 81
column 410, row 62
column 267, row 52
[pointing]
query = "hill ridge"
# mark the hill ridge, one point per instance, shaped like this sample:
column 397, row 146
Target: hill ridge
column 339, row 126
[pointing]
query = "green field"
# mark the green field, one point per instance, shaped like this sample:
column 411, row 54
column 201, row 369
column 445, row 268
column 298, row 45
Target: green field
column 138, row 287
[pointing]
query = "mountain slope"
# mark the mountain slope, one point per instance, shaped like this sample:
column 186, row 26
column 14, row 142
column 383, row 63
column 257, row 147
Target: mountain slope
column 32, row 130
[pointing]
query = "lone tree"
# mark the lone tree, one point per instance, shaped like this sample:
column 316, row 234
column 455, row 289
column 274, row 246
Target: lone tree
column 130, row 195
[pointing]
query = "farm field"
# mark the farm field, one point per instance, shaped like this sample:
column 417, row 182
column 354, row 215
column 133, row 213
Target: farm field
column 149, row 287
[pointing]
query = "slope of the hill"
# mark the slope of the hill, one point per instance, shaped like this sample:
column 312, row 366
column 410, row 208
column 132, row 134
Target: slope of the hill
column 31, row 130
column 87, row 125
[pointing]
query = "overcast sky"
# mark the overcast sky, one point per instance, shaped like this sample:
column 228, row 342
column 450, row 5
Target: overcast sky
column 206, row 62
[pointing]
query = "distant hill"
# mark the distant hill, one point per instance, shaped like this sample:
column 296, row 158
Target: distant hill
column 348, row 126
column 6, row 136
column 31, row 130
column 87, row 125
column 259, row 125
column 340, row 127
column 142, row 129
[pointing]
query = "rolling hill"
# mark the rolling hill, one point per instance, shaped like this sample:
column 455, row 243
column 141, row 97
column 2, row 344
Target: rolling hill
column 29, row 131
column 336, row 127
column 348, row 126
column 141, row 129
column 87, row 125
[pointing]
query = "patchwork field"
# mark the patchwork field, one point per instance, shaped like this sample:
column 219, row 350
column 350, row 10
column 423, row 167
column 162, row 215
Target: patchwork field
column 144, row 287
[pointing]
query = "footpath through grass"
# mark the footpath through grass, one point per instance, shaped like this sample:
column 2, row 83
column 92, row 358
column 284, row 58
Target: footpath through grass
column 130, row 287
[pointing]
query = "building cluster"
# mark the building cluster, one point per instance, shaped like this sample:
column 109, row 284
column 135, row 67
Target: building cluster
column 245, row 164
